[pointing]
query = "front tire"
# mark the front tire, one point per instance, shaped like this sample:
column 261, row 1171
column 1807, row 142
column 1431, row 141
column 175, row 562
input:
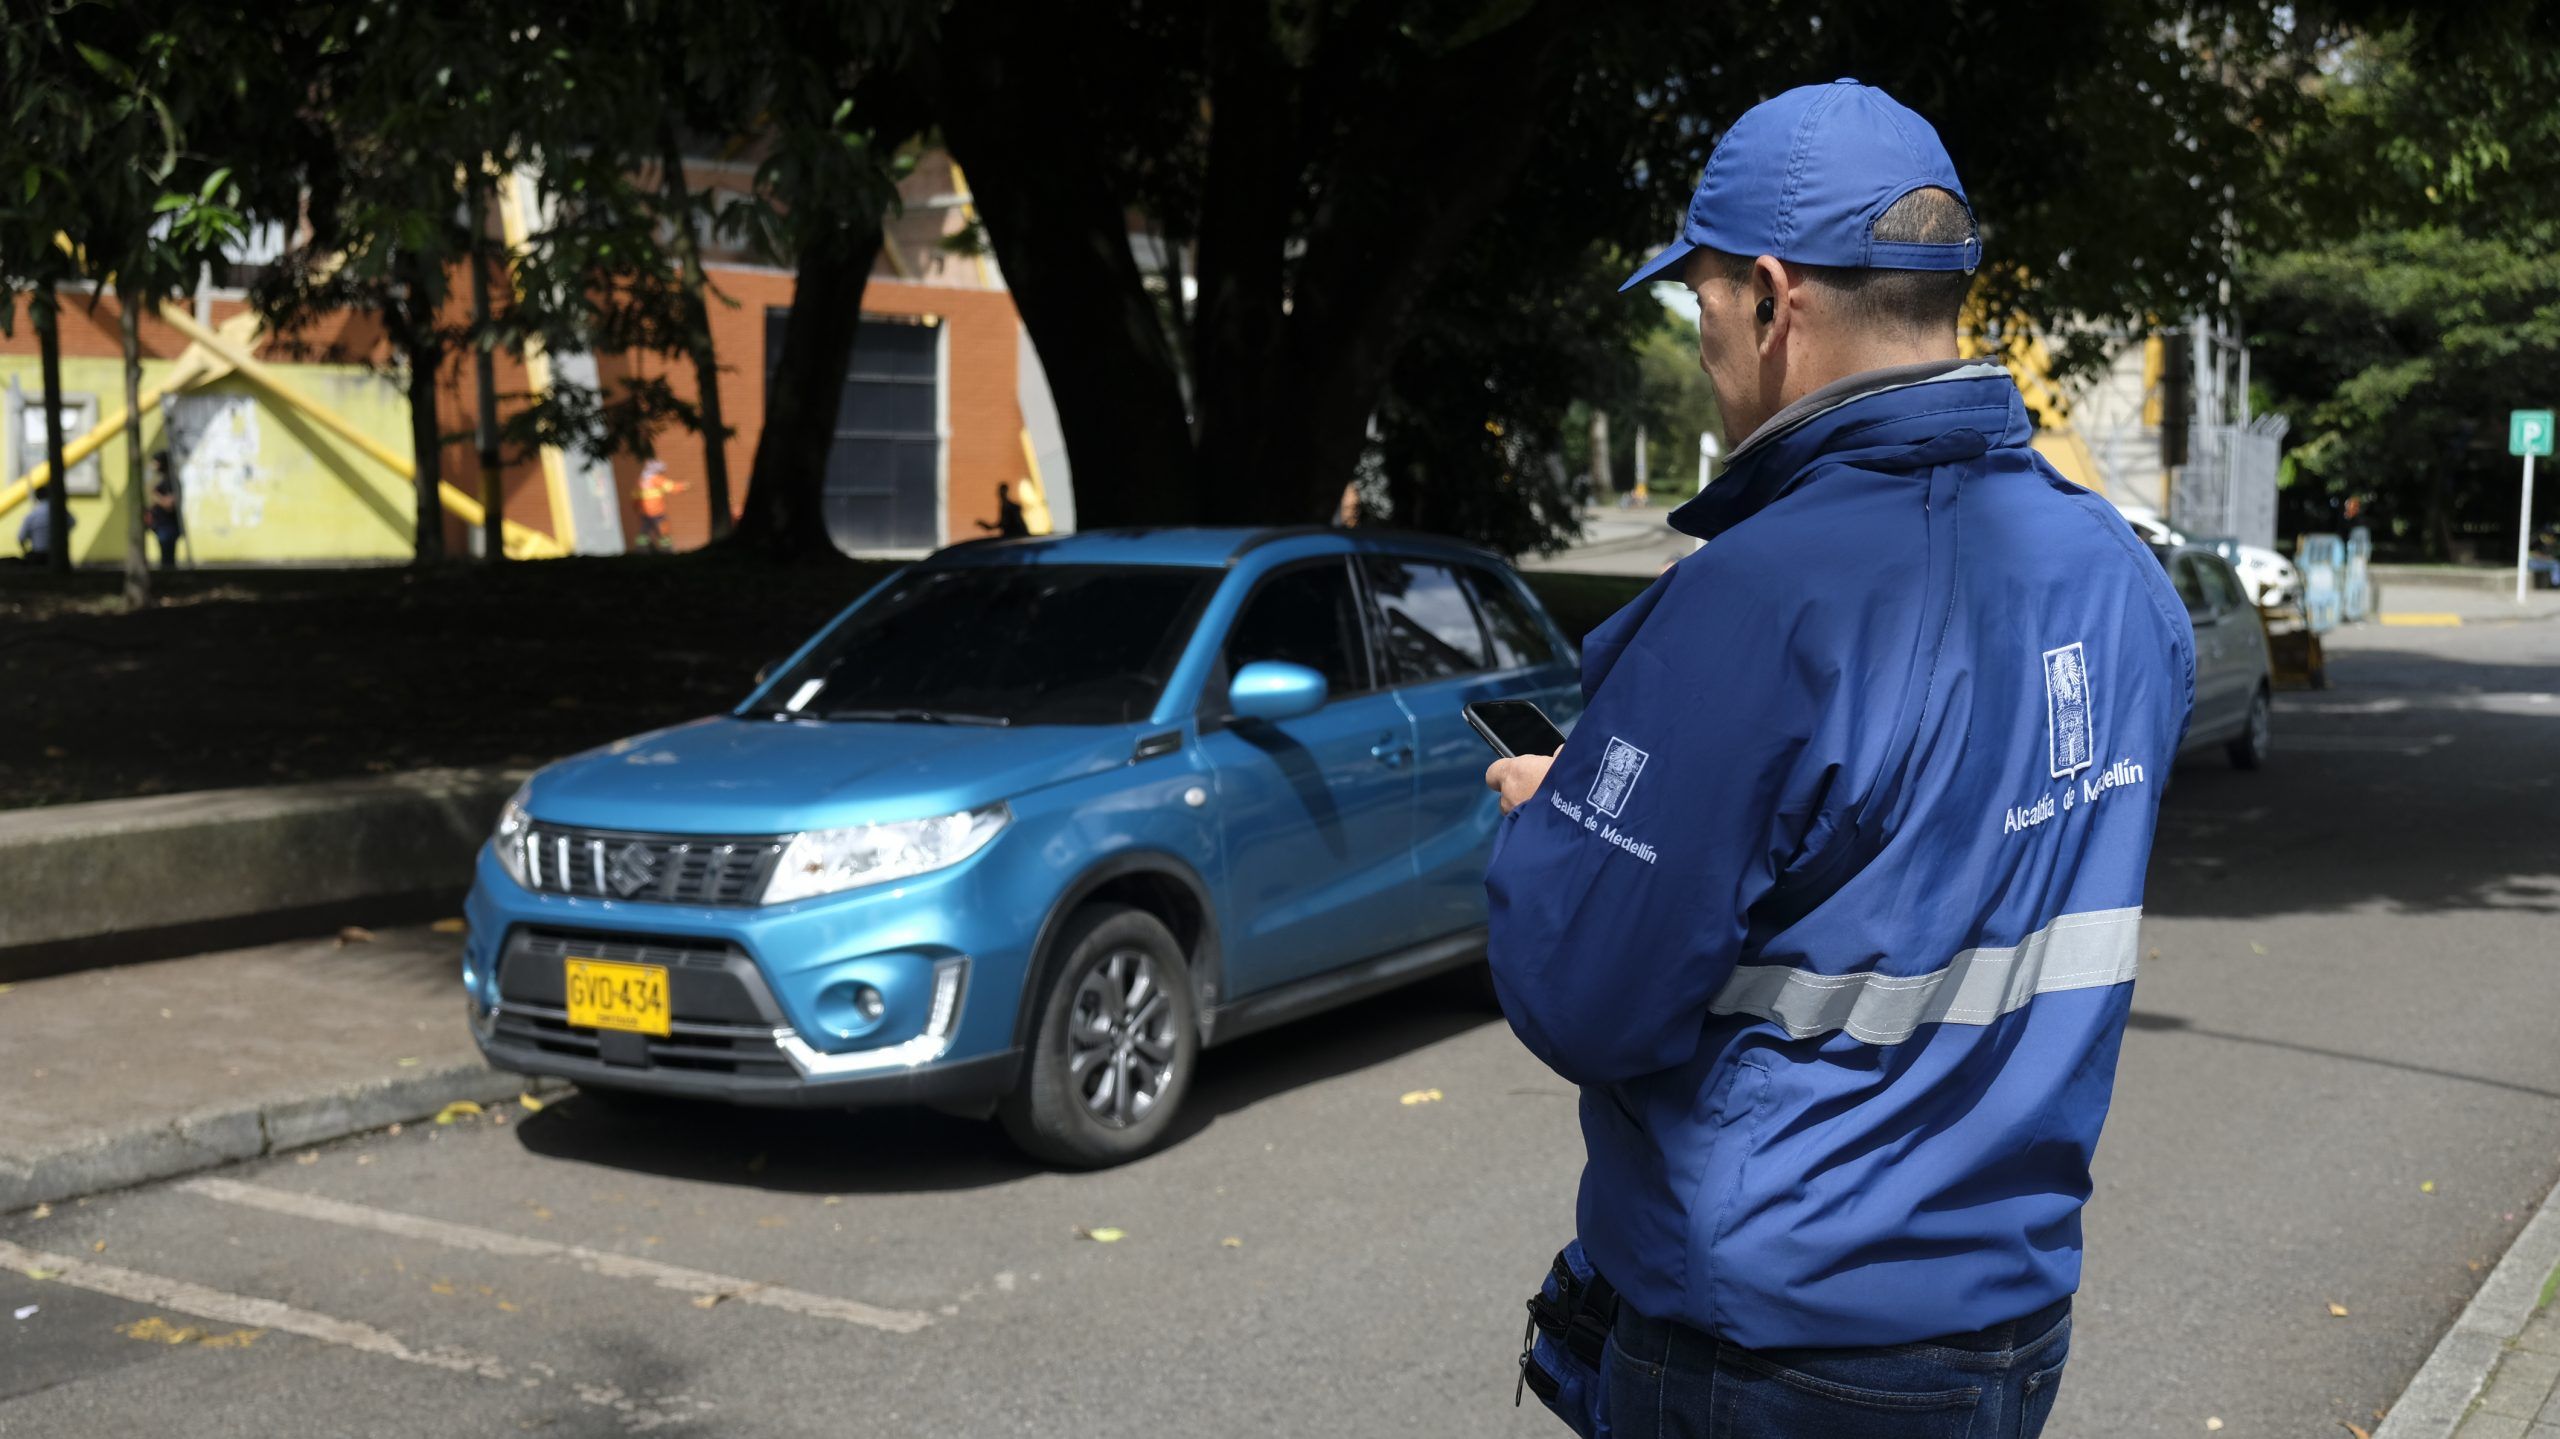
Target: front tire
column 2249, row 749
column 1116, row 1041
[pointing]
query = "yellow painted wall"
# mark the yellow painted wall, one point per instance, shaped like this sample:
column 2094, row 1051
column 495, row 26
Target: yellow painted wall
column 294, row 494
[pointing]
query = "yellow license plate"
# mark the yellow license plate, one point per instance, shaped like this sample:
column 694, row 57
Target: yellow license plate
column 606, row 995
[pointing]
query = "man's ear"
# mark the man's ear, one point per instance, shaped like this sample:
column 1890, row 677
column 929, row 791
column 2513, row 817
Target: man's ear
column 1771, row 314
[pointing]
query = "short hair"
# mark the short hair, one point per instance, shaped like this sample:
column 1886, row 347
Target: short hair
column 1904, row 300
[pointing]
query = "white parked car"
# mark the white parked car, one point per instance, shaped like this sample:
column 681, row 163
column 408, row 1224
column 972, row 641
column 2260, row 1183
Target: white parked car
column 2270, row 578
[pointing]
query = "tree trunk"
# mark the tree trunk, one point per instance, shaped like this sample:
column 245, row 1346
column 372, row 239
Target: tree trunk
column 1601, row 480
column 57, row 492
column 697, row 325
column 137, row 564
column 484, row 365
column 786, row 491
column 424, row 350
column 1044, row 190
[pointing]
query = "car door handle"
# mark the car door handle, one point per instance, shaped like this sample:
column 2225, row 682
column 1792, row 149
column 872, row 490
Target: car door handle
column 1391, row 752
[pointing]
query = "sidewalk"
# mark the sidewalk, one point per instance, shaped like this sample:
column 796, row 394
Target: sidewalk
column 2423, row 605
column 2494, row 1374
column 121, row 1076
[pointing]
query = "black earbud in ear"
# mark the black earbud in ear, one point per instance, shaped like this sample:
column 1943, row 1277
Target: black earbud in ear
column 1768, row 309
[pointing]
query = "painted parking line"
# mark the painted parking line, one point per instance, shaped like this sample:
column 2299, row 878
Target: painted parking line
column 241, row 1309
column 594, row 1261
column 637, row 1411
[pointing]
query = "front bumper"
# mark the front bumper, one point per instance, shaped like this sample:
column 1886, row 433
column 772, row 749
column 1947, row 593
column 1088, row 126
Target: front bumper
column 957, row 1083
column 758, row 997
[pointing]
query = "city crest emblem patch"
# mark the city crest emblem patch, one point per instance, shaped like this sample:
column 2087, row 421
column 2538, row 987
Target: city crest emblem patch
column 2066, row 701
column 1619, row 767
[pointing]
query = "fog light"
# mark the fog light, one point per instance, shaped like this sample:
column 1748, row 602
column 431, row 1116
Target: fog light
column 868, row 1003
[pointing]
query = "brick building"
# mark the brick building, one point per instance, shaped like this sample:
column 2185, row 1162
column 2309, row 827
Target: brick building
column 944, row 404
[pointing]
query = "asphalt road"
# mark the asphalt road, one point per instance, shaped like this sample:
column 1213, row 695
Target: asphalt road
column 2354, row 995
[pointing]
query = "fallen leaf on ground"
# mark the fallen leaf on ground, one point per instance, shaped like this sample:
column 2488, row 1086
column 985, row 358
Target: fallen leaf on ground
column 355, row 934
column 832, row 1199
column 41, row 1211
column 441, row 1286
column 1421, row 1096
column 2212, row 1424
column 98, row 1248
column 450, row 926
column 364, row 1159
column 2337, row 1310
column 456, row 1110
column 2429, row 1187
column 706, row 1301
column 2356, row 1429
column 26, row 1313
column 40, row 1273
column 406, row 1063
column 308, row 1156
column 1101, row 1236
column 1231, row 1242
column 505, row 1305
column 2256, row 948
column 531, row 1104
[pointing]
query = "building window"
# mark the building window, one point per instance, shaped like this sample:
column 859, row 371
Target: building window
column 884, row 466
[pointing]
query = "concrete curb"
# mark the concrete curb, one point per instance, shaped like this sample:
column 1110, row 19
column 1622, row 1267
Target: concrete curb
column 212, row 1138
column 79, row 871
column 2437, row 1400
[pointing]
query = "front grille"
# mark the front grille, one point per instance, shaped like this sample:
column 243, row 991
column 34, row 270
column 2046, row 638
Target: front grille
column 667, row 869
column 721, row 1017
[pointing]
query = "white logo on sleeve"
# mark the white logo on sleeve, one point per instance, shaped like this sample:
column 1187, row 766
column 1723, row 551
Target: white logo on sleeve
column 1618, row 770
column 2066, row 701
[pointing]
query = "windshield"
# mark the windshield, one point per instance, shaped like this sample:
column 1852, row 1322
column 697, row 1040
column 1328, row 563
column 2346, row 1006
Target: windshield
column 1026, row 644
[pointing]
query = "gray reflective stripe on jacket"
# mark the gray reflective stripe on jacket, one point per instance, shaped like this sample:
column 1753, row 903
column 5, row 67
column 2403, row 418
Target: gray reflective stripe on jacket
column 2076, row 951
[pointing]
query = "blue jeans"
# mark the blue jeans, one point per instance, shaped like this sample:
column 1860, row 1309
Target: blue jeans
column 1668, row 1381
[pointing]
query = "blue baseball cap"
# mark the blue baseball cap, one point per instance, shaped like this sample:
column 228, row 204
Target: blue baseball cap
column 1804, row 175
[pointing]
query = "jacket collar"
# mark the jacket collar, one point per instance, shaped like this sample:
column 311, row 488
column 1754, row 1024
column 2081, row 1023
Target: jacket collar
column 1876, row 412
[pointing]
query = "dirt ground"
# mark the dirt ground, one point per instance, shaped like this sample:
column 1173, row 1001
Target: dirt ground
column 239, row 677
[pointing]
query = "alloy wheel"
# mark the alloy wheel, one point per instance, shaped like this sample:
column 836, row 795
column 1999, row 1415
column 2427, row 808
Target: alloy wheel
column 1120, row 1035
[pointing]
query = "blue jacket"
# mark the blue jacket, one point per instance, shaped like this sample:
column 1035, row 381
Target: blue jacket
column 1830, row 903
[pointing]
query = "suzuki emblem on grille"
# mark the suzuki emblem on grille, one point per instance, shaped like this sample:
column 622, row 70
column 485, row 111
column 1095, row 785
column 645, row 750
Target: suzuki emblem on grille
column 635, row 868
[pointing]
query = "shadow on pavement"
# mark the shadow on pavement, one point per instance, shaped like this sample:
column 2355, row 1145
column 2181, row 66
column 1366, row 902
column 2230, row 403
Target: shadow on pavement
column 2421, row 781
column 905, row 1151
column 2171, row 1024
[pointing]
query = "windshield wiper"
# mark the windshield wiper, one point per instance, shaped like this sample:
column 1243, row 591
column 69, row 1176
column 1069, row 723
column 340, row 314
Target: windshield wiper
column 921, row 716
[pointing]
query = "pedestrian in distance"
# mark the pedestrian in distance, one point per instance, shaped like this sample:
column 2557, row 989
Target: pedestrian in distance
column 1830, row 903
column 655, row 488
column 163, row 519
column 35, row 533
column 1009, row 523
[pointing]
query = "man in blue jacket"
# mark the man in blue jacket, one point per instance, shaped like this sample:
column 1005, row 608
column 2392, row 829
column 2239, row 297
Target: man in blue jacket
column 1830, row 904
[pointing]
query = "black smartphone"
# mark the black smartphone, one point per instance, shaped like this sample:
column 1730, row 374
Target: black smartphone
column 1514, row 727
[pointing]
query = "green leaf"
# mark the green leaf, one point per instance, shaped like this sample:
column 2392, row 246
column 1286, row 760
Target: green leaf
column 213, row 183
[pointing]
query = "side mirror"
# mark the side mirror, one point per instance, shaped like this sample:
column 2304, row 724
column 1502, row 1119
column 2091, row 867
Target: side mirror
column 1275, row 690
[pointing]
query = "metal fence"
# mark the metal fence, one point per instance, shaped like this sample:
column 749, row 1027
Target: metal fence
column 2228, row 489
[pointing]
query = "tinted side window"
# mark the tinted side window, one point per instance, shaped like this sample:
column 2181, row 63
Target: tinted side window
column 1305, row 617
column 2222, row 586
column 1518, row 639
column 2182, row 573
column 1430, row 629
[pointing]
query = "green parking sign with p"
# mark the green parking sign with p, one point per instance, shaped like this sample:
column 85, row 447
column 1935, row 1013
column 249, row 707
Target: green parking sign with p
column 2529, row 432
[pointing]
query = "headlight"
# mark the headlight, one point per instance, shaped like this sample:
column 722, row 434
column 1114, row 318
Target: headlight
column 513, row 825
column 823, row 861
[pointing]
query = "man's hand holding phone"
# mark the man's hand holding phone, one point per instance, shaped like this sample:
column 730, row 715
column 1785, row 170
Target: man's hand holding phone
column 1517, row 778
column 1527, row 741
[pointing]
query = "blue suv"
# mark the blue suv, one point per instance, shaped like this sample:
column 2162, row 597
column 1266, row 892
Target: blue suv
column 1022, row 831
